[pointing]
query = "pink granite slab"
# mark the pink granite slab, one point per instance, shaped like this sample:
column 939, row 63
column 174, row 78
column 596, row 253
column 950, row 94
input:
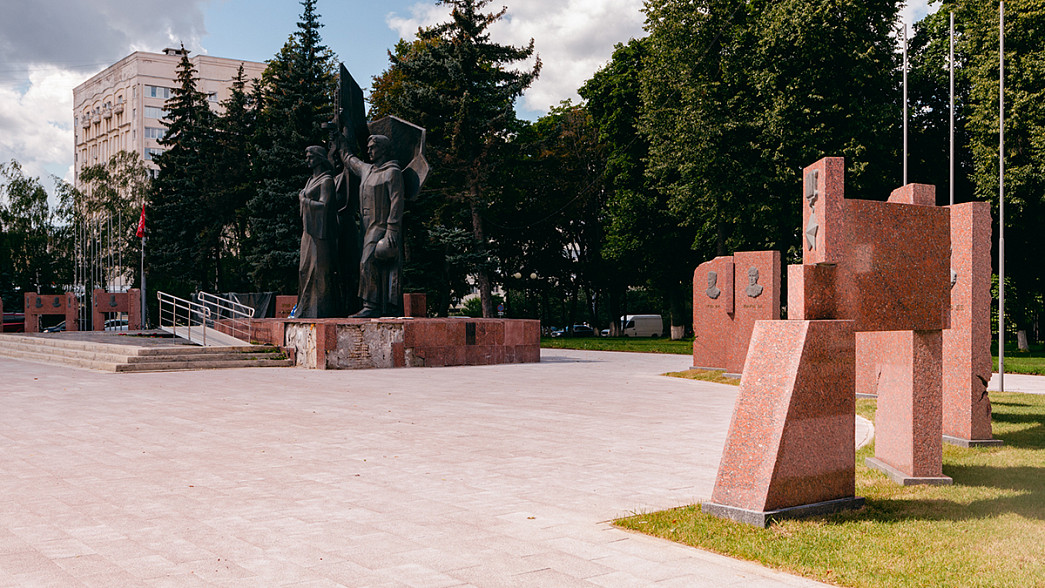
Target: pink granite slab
column 811, row 292
column 966, row 345
column 752, row 302
column 713, row 313
column 910, row 403
column 895, row 274
column 791, row 441
column 823, row 186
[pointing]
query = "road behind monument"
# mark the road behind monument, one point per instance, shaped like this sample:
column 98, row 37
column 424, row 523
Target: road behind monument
column 485, row 476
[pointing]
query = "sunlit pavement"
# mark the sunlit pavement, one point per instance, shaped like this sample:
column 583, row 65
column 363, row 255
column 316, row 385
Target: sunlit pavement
column 464, row 476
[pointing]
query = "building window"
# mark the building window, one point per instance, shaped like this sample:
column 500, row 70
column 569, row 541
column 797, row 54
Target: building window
column 150, row 153
column 154, row 133
column 212, row 96
column 157, row 92
column 154, row 112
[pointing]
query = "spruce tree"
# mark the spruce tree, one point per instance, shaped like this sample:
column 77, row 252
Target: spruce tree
column 182, row 249
column 236, row 126
column 456, row 82
column 297, row 92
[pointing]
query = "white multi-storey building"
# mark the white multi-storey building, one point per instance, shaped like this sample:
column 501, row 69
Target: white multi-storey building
column 121, row 108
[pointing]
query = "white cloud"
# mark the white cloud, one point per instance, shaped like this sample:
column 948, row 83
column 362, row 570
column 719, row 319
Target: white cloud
column 574, row 38
column 51, row 46
column 916, row 10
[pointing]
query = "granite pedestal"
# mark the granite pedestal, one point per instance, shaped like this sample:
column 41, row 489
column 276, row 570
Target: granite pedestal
column 344, row 343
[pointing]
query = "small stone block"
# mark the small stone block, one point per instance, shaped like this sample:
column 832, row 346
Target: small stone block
column 972, row 442
column 919, row 194
column 903, row 479
column 764, row 518
column 285, row 304
column 811, row 292
column 415, row 305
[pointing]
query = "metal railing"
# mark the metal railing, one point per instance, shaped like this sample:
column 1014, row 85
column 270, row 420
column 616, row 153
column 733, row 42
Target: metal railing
column 180, row 317
column 236, row 318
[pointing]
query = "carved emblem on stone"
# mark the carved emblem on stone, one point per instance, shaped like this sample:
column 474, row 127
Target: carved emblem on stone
column 812, row 194
column 712, row 291
column 754, row 289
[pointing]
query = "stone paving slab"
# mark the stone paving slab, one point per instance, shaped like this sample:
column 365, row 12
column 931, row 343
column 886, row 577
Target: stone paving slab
column 465, row 476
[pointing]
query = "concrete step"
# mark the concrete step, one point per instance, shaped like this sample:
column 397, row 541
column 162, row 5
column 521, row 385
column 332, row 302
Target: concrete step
column 55, row 358
column 130, row 358
column 204, row 357
column 173, row 366
column 57, row 342
column 111, row 353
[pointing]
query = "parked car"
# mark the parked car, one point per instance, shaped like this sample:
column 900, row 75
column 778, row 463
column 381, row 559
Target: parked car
column 582, row 331
column 556, row 332
column 56, row 328
column 14, row 322
column 116, row 325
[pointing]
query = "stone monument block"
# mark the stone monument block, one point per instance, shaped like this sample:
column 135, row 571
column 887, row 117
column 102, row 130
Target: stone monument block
column 722, row 325
column 285, row 304
column 415, row 305
column 37, row 305
column 910, row 408
column 823, row 194
column 789, row 450
column 756, row 297
column 129, row 302
column 967, row 363
column 712, row 312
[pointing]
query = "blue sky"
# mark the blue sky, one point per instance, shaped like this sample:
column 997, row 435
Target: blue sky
column 47, row 47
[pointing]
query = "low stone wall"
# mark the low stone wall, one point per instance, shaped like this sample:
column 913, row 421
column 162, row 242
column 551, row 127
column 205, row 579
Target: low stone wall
column 406, row 342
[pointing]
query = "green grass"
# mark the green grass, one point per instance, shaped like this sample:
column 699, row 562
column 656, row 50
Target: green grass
column 644, row 345
column 717, row 376
column 1021, row 362
column 988, row 529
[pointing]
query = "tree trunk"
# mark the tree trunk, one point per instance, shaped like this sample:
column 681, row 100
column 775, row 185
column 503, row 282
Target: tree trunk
column 482, row 276
column 676, row 309
column 1021, row 340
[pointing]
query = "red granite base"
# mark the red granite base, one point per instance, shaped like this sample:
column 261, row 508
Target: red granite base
column 790, row 441
column 343, row 343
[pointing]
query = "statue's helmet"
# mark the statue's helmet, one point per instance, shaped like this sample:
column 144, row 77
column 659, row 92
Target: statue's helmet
column 385, row 251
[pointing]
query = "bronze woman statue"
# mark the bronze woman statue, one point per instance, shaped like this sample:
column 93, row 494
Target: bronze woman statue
column 317, row 279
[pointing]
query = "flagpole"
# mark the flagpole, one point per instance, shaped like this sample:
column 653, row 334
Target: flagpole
column 951, row 184
column 1001, row 196
column 905, row 104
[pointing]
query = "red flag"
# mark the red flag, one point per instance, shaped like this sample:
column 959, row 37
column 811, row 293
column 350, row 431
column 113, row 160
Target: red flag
column 141, row 224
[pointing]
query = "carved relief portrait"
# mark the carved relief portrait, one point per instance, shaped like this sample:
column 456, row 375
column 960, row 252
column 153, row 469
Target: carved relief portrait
column 754, row 289
column 712, row 291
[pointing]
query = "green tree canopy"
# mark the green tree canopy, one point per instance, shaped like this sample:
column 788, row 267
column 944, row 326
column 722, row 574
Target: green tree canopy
column 297, row 96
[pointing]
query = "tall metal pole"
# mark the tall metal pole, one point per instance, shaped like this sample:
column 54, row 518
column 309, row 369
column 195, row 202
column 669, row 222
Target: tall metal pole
column 904, row 104
column 951, row 183
column 144, row 314
column 1001, row 196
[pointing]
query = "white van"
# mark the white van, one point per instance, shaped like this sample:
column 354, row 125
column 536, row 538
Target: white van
column 643, row 325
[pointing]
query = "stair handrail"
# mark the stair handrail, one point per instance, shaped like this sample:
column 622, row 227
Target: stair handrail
column 240, row 316
column 193, row 314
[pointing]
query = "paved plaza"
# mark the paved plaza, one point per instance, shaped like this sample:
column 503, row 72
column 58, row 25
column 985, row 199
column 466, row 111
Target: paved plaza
column 466, row 476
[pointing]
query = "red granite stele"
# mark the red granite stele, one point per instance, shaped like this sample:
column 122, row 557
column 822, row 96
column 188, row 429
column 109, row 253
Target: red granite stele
column 37, row 305
column 967, row 344
column 712, row 316
column 721, row 337
column 789, row 451
column 129, row 302
column 868, row 266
